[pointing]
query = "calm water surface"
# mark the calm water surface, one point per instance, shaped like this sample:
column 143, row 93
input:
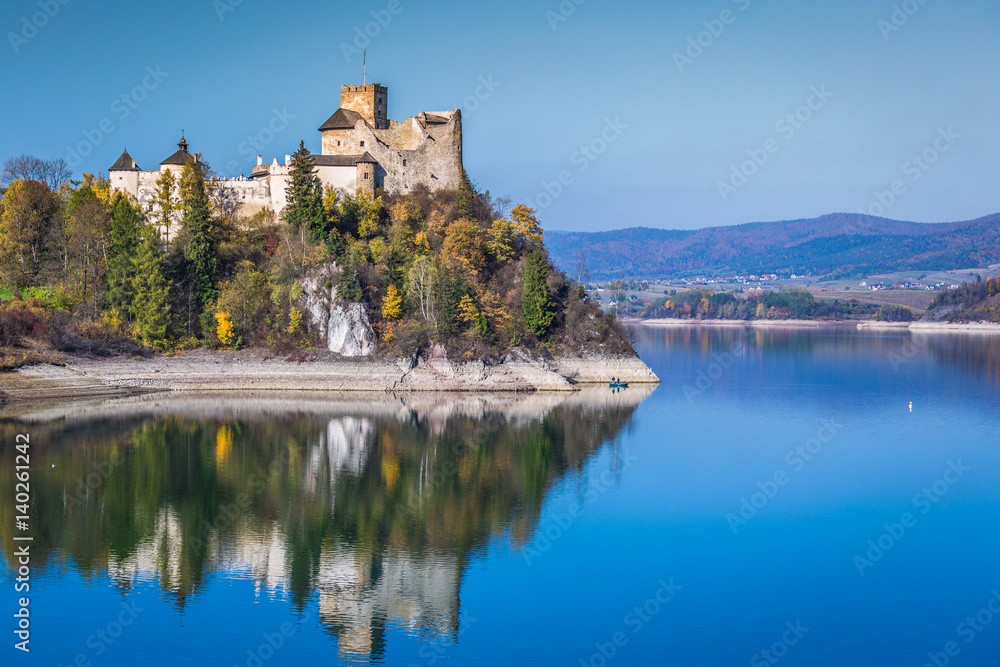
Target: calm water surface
column 775, row 501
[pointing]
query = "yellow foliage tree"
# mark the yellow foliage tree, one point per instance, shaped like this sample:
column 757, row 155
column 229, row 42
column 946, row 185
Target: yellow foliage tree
column 468, row 312
column 392, row 304
column 501, row 240
column 224, row 330
column 294, row 320
column 463, row 247
column 423, row 243
column 527, row 225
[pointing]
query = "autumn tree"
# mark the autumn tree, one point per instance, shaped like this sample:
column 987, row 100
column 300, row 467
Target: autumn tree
column 528, row 228
column 392, row 304
column 463, row 248
column 29, row 225
column 539, row 309
column 501, row 241
column 86, row 234
column 470, row 315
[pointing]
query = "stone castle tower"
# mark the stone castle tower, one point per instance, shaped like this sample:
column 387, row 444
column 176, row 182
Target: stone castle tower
column 362, row 150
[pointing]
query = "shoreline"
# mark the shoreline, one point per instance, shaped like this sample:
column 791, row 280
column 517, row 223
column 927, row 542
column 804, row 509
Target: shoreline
column 917, row 327
column 758, row 324
column 216, row 371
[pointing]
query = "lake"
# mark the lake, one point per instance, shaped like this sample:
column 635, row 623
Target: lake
column 812, row 497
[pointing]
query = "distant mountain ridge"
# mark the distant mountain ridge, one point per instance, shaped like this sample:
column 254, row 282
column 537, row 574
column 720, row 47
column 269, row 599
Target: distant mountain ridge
column 837, row 245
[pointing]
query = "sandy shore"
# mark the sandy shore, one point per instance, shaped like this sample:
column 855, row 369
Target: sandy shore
column 201, row 371
column 946, row 327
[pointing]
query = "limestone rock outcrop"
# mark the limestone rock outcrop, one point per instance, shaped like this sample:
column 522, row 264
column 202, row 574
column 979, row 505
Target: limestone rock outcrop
column 344, row 325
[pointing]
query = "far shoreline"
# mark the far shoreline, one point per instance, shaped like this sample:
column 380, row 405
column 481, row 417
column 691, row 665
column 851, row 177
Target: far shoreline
column 916, row 327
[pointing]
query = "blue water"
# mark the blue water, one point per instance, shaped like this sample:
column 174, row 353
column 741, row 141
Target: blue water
column 636, row 553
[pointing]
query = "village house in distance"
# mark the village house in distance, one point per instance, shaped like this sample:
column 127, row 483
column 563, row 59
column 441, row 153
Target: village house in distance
column 361, row 150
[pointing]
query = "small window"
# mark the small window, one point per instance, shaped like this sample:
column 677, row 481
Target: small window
column 362, row 144
column 150, row 207
column 404, row 163
column 338, row 143
column 367, row 175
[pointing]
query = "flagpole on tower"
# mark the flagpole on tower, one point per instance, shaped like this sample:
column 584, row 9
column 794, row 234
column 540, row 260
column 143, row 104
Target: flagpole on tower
column 365, row 80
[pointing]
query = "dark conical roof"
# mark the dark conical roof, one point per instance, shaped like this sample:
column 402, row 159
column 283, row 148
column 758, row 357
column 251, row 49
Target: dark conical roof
column 124, row 163
column 344, row 119
column 367, row 157
column 181, row 157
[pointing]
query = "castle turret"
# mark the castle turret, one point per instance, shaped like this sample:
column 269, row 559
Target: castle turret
column 124, row 174
column 367, row 173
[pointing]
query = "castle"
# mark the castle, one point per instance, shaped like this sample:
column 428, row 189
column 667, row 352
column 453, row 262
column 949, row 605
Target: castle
column 361, row 150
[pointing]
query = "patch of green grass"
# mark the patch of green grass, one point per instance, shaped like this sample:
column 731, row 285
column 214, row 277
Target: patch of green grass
column 6, row 294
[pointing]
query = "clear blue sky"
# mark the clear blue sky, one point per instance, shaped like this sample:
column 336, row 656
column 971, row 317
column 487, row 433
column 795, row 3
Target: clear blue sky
column 609, row 68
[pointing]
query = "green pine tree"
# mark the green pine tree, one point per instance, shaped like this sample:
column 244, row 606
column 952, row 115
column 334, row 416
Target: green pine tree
column 150, row 301
column 202, row 243
column 466, row 198
column 539, row 309
column 123, row 247
column 304, row 208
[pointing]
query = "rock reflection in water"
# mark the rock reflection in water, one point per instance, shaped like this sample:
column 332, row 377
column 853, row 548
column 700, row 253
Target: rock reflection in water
column 370, row 507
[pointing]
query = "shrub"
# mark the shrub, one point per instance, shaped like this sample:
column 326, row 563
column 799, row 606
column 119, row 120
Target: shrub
column 19, row 323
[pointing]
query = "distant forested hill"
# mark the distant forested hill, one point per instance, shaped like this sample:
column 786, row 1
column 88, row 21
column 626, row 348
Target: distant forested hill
column 839, row 245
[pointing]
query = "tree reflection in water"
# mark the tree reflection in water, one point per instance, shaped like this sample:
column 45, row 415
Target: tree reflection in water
column 373, row 507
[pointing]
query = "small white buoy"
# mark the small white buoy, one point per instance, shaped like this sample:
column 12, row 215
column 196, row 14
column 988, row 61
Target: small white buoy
column 911, row 406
